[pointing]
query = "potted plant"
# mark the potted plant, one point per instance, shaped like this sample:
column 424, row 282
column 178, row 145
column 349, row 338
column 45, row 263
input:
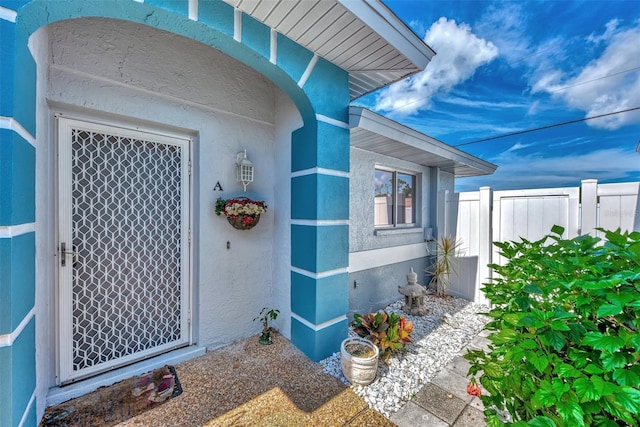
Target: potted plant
column 264, row 316
column 447, row 249
column 380, row 335
column 389, row 332
column 241, row 212
column 359, row 360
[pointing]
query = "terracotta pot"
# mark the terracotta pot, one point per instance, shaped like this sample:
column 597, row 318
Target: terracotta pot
column 244, row 222
column 359, row 370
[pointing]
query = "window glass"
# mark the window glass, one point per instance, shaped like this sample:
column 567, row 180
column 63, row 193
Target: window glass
column 383, row 198
column 394, row 198
column 405, row 196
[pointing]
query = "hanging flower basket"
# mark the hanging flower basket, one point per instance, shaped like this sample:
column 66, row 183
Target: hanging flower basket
column 244, row 222
column 241, row 212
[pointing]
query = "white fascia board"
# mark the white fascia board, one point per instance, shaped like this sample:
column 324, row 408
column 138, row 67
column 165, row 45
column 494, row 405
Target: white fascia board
column 388, row 26
column 368, row 120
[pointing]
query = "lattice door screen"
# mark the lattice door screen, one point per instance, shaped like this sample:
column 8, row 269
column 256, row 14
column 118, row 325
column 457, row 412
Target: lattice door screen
column 125, row 259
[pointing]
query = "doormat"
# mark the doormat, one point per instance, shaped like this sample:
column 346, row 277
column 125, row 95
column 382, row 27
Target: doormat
column 110, row 405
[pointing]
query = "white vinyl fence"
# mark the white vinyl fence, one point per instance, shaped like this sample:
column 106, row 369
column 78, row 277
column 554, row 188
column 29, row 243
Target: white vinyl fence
column 479, row 218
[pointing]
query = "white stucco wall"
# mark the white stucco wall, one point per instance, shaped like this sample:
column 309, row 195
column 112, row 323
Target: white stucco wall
column 131, row 74
column 45, row 229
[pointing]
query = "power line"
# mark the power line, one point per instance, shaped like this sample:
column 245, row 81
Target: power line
column 594, row 80
column 552, row 91
column 546, row 127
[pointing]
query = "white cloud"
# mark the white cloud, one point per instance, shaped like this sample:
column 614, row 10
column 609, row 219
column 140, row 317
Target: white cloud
column 518, row 171
column 518, row 146
column 603, row 85
column 534, row 107
column 459, row 54
column 467, row 126
column 610, row 31
column 484, row 104
column 505, row 25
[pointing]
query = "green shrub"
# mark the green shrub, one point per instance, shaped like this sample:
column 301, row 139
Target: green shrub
column 565, row 340
column 390, row 332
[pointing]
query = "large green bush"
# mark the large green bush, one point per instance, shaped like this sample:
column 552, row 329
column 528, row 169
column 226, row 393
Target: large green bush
column 565, row 340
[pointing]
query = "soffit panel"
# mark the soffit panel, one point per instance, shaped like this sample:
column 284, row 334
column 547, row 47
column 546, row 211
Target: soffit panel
column 362, row 37
column 325, row 17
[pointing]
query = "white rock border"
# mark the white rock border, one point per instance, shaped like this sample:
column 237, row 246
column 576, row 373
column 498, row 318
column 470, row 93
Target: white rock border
column 450, row 324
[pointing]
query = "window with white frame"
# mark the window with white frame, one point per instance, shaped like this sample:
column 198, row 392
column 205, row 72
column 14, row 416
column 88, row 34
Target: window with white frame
column 394, row 198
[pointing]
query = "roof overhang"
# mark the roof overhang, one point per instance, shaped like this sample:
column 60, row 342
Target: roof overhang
column 362, row 37
column 378, row 134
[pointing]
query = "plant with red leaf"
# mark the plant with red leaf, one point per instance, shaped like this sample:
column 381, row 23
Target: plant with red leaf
column 389, row 332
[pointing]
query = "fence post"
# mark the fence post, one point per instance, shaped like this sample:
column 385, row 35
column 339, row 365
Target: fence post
column 485, row 242
column 589, row 207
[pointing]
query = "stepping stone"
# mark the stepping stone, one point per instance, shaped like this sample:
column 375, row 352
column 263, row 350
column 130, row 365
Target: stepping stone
column 470, row 417
column 439, row 402
column 412, row 415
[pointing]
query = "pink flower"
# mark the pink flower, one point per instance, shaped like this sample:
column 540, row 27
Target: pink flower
column 473, row 388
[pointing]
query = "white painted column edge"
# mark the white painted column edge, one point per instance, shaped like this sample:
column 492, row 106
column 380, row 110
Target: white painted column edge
column 237, row 25
column 7, row 340
column 7, row 14
column 331, row 121
column 307, row 72
column 320, row 171
column 273, row 47
column 10, row 231
column 320, row 326
column 12, row 124
column 25, row 414
column 320, row 275
column 193, row 10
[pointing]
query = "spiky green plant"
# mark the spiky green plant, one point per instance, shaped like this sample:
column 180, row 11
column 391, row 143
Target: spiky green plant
column 448, row 248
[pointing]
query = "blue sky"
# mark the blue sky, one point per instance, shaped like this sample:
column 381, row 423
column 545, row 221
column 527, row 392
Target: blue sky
column 505, row 67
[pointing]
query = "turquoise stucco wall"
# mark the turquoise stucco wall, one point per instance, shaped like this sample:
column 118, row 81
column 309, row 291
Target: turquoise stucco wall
column 319, row 289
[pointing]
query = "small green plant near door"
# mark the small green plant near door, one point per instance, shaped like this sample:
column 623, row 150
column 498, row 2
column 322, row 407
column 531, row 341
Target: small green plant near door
column 565, row 333
column 263, row 317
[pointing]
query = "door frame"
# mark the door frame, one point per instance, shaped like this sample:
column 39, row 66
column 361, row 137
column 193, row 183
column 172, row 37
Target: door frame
column 63, row 312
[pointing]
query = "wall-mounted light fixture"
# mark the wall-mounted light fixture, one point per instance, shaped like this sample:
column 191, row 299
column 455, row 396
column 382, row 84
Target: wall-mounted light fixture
column 244, row 169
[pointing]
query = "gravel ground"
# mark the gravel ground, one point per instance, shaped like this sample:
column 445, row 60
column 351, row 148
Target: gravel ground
column 248, row 384
column 450, row 324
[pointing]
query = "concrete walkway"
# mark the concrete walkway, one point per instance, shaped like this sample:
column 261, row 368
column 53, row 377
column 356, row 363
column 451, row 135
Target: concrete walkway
column 444, row 401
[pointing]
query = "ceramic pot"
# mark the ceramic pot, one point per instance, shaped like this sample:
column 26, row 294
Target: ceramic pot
column 357, row 369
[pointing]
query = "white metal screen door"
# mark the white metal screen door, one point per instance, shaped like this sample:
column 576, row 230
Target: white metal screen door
column 123, row 246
